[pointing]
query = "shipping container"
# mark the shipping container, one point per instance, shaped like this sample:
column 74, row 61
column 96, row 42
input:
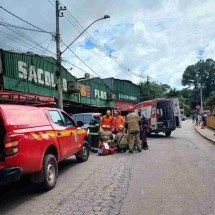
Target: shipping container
column 31, row 73
column 94, row 91
column 125, row 90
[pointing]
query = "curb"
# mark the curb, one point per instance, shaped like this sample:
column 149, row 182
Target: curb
column 208, row 138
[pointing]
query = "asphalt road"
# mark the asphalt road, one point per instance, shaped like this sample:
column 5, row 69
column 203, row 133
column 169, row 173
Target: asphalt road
column 175, row 176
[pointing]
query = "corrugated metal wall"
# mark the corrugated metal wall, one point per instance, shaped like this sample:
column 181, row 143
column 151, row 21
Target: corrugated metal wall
column 33, row 74
column 97, row 94
column 125, row 90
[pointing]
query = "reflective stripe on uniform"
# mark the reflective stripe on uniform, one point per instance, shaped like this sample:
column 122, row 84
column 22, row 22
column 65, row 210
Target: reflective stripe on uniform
column 93, row 133
column 93, row 126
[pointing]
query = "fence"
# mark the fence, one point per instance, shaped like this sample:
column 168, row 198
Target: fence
column 210, row 121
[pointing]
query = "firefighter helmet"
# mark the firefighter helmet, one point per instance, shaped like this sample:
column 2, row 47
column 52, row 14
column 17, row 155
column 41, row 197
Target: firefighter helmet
column 96, row 116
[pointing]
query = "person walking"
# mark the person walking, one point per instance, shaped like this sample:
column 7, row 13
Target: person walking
column 117, row 121
column 132, row 123
column 94, row 128
column 107, row 119
column 193, row 119
column 199, row 118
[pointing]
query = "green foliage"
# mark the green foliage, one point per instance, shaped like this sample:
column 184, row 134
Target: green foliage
column 200, row 74
column 187, row 110
column 210, row 101
column 151, row 90
column 173, row 93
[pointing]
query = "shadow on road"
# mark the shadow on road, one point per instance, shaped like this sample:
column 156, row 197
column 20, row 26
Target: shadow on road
column 14, row 194
column 162, row 136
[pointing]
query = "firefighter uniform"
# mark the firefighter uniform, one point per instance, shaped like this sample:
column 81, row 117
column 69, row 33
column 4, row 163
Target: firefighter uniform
column 133, row 126
column 94, row 134
column 143, row 133
column 117, row 121
column 106, row 136
column 107, row 119
column 121, row 141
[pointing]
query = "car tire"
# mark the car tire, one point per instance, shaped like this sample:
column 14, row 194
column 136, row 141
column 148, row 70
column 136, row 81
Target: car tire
column 50, row 171
column 168, row 133
column 83, row 155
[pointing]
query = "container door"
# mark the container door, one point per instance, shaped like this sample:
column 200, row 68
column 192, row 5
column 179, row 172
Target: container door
column 177, row 112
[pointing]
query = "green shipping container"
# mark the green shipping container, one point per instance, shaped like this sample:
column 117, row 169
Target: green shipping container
column 125, row 90
column 33, row 74
column 94, row 91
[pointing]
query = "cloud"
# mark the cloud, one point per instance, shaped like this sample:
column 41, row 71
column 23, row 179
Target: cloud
column 156, row 38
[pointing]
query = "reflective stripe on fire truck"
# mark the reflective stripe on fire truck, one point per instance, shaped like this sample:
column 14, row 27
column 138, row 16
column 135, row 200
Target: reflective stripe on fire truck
column 45, row 135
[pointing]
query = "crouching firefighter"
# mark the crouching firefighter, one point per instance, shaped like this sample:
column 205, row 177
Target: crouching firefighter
column 121, row 139
column 106, row 135
column 94, row 133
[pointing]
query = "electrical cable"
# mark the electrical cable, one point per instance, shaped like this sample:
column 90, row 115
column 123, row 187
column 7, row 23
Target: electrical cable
column 19, row 27
column 24, row 20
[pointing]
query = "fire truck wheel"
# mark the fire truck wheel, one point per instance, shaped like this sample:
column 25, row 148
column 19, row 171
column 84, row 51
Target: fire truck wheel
column 168, row 133
column 83, row 155
column 50, row 170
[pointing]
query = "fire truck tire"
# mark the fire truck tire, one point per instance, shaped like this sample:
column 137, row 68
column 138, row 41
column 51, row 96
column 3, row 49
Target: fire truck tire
column 168, row 133
column 83, row 155
column 50, row 171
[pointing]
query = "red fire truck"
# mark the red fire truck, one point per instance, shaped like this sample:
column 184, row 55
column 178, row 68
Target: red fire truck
column 163, row 114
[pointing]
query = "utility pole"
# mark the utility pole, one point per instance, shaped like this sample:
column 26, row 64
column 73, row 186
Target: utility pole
column 148, row 85
column 57, row 38
column 201, row 103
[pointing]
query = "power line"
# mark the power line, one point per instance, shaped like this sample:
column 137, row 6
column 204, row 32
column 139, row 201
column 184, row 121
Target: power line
column 24, row 20
column 19, row 27
column 80, row 28
column 76, row 24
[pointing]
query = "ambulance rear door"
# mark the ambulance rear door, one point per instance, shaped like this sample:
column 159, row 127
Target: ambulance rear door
column 177, row 112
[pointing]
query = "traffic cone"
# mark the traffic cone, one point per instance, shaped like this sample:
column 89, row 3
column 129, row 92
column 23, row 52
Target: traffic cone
column 202, row 125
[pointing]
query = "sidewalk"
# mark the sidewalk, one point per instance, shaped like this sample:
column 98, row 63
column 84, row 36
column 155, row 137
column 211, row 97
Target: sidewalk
column 207, row 133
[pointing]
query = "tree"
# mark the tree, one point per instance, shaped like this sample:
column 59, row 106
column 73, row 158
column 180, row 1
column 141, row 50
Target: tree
column 173, row 93
column 200, row 74
column 151, row 90
column 210, row 101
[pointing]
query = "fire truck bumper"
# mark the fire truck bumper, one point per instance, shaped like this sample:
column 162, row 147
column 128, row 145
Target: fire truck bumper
column 10, row 174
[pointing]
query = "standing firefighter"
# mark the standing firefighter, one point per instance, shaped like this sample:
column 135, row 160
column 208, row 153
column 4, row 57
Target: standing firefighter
column 94, row 132
column 143, row 129
column 133, row 125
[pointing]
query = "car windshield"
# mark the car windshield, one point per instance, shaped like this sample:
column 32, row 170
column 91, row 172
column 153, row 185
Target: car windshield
column 87, row 118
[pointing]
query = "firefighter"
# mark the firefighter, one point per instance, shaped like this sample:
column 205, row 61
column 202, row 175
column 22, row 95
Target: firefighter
column 132, row 124
column 117, row 121
column 143, row 129
column 121, row 139
column 94, row 128
column 107, row 119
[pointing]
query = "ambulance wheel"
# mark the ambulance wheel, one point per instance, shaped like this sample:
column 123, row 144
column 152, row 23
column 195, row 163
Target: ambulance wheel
column 168, row 133
column 50, row 171
column 83, row 155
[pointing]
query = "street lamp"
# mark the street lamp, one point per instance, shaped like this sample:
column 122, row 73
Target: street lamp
column 105, row 17
column 59, row 53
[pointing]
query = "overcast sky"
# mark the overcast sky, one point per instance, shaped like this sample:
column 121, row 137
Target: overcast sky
column 158, row 38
